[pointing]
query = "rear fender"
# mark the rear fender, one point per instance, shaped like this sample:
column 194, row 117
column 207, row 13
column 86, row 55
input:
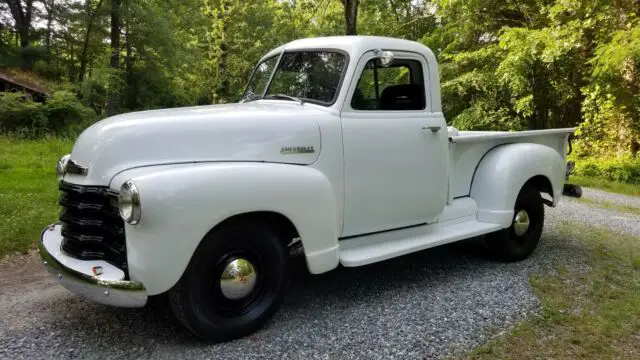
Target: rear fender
column 182, row 203
column 503, row 172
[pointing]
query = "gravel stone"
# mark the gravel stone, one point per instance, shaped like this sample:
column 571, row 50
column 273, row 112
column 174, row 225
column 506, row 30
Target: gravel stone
column 421, row 306
column 574, row 210
column 618, row 199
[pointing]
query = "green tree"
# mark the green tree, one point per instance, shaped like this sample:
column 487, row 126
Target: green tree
column 504, row 64
column 540, row 64
column 22, row 13
column 239, row 34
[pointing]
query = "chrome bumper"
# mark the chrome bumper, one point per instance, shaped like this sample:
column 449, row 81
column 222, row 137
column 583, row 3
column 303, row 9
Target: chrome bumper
column 95, row 280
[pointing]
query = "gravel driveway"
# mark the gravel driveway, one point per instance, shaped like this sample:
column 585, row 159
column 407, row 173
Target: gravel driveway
column 423, row 305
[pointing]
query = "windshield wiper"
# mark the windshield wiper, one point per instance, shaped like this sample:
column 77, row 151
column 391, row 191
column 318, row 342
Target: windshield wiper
column 288, row 97
column 252, row 97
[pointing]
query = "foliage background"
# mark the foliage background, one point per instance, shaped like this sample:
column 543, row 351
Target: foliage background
column 504, row 64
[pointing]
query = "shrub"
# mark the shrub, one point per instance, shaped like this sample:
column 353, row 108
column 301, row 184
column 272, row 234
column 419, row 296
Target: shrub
column 65, row 113
column 19, row 114
column 94, row 90
column 61, row 114
column 47, row 71
column 623, row 169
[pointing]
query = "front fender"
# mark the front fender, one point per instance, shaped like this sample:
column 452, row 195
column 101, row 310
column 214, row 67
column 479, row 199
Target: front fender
column 504, row 170
column 181, row 203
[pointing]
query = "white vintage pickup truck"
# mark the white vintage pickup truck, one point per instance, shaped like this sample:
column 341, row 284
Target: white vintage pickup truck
column 338, row 146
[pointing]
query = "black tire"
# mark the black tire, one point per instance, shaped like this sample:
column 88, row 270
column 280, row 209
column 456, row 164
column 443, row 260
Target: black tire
column 507, row 245
column 157, row 301
column 197, row 299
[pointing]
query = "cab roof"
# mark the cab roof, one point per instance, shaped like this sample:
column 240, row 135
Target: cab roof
column 354, row 45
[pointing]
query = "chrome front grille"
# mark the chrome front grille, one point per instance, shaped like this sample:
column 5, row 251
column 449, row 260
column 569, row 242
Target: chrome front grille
column 92, row 229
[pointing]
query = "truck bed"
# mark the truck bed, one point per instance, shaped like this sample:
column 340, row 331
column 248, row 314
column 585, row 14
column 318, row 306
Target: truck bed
column 466, row 149
column 457, row 136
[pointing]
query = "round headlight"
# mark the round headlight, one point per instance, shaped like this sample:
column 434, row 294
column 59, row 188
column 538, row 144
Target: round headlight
column 62, row 166
column 129, row 203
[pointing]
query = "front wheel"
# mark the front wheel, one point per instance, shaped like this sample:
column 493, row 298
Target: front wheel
column 234, row 283
column 520, row 240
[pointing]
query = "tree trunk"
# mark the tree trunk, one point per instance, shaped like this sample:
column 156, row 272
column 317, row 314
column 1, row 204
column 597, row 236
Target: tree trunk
column 50, row 7
column 222, row 68
column 71, row 71
column 220, row 93
column 22, row 19
column 112, row 101
column 115, row 34
column 85, row 45
column 350, row 16
column 131, row 101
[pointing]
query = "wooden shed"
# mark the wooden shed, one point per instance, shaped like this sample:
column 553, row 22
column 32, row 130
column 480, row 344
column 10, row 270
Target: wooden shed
column 10, row 83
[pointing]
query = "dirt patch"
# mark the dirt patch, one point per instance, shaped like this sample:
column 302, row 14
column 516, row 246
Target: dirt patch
column 17, row 271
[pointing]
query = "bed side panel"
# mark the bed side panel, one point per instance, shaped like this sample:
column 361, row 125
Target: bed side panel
column 467, row 155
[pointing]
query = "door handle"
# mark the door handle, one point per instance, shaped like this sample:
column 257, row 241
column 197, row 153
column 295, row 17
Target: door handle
column 433, row 129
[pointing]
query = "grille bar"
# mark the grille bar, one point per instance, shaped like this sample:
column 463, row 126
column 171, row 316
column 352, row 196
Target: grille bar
column 91, row 226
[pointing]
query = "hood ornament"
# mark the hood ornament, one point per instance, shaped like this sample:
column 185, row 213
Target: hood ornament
column 68, row 166
column 76, row 169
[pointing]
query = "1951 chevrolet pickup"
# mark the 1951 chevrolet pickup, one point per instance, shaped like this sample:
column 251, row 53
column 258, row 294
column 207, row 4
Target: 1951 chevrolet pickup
column 338, row 145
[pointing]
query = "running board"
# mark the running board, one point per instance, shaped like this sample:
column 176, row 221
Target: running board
column 369, row 249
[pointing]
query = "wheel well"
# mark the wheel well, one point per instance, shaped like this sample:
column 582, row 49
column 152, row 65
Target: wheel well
column 276, row 221
column 542, row 183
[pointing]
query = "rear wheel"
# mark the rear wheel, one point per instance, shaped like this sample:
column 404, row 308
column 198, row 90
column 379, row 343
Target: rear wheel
column 520, row 240
column 234, row 283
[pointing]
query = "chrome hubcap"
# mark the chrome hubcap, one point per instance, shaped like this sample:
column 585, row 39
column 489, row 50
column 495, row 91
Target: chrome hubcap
column 238, row 279
column 521, row 223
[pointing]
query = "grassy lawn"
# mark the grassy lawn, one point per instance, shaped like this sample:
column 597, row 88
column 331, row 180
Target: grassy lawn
column 28, row 190
column 585, row 315
column 611, row 186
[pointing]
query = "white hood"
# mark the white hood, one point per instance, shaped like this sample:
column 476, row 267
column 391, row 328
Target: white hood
column 254, row 131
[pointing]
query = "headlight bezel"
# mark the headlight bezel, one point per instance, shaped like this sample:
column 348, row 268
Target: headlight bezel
column 129, row 206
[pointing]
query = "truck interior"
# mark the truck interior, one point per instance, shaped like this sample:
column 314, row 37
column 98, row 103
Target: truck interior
column 399, row 86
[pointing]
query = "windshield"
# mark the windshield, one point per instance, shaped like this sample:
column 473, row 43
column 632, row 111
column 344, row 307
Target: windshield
column 312, row 76
column 259, row 80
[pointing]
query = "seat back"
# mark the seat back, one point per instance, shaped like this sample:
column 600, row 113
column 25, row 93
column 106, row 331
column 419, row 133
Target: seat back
column 402, row 97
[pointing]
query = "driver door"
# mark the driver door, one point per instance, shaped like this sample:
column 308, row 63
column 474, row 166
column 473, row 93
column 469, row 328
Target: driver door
column 395, row 149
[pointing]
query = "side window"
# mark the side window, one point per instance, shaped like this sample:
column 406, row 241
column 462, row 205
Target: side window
column 399, row 86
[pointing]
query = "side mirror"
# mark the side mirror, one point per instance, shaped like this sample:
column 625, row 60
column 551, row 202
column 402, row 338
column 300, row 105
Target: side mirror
column 385, row 58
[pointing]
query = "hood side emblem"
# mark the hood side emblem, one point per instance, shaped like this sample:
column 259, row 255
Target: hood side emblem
column 76, row 169
column 297, row 150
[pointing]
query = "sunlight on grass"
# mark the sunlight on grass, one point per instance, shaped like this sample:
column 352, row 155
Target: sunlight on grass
column 28, row 190
column 585, row 315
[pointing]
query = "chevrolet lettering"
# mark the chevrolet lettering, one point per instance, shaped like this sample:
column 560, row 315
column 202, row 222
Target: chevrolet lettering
column 297, row 150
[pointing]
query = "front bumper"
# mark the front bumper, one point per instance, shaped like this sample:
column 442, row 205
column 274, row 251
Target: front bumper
column 95, row 280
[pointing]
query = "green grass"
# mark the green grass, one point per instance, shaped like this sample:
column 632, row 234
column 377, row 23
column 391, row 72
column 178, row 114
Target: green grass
column 28, row 190
column 611, row 186
column 609, row 205
column 592, row 314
